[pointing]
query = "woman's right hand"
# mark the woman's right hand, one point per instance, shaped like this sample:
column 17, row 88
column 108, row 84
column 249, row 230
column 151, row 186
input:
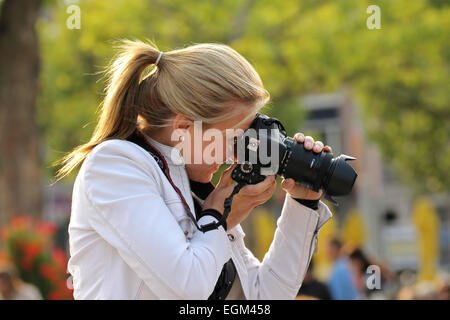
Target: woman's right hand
column 249, row 197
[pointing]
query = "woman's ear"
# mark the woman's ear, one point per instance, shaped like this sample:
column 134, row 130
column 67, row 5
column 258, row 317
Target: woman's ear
column 181, row 122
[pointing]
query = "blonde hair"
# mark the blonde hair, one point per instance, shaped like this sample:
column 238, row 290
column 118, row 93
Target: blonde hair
column 200, row 82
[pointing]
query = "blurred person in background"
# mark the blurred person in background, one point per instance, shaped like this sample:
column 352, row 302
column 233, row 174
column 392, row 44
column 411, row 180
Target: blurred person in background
column 360, row 262
column 312, row 288
column 12, row 288
column 406, row 278
column 444, row 291
column 341, row 282
column 410, row 288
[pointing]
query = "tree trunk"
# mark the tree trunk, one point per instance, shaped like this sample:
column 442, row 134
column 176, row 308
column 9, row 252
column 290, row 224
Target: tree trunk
column 20, row 175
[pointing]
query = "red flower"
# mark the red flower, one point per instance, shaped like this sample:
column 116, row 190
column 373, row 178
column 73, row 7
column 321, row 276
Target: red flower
column 32, row 250
column 29, row 242
column 20, row 222
column 45, row 228
column 60, row 258
column 63, row 286
column 68, row 293
column 47, row 271
column 54, row 295
column 26, row 263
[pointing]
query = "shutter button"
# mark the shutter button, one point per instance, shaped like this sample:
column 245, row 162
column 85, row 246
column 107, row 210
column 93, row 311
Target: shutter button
column 230, row 237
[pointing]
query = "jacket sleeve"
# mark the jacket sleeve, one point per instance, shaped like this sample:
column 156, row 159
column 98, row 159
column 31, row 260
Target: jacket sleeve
column 130, row 214
column 280, row 274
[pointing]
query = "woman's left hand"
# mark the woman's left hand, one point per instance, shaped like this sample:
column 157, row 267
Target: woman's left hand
column 297, row 191
column 249, row 197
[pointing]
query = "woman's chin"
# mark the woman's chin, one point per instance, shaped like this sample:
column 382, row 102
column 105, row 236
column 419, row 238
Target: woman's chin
column 203, row 179
column 206, row 175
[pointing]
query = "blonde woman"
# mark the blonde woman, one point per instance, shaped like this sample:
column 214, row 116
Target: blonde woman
column 131, row 235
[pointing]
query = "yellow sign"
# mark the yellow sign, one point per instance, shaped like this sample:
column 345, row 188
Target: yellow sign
column 426, row 221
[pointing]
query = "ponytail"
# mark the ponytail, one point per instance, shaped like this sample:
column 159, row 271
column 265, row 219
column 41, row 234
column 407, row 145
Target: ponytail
column 201, row 82
column 119, row 109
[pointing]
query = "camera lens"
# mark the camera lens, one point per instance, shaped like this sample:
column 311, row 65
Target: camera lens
column 318, row 170
column 341, row 176
column 313, row 170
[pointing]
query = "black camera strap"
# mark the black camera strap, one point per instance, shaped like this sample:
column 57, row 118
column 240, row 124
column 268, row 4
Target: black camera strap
column 202, row 190
column 229, row 272
column 143, row 142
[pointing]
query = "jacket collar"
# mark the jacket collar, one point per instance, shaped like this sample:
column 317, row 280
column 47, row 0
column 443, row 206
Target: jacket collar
column 173, row 157
column 171, row 154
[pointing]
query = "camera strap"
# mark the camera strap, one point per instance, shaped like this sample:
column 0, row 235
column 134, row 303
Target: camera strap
column 202, row 190
column 140, row 140
column 143, row 142
column 229, row 272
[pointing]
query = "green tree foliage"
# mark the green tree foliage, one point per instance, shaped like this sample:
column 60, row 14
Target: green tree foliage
column 398, row 74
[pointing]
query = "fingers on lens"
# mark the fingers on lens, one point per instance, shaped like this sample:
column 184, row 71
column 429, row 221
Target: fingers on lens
column 318, row 146
column 299, row 137
column 309, row 142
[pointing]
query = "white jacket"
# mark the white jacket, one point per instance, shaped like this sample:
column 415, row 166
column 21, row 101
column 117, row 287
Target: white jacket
column 130, row 237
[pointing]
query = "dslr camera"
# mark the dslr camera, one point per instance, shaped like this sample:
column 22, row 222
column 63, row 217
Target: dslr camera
column 264, row 149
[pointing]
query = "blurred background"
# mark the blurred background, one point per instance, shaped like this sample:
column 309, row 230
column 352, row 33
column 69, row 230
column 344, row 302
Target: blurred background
column 369, row 78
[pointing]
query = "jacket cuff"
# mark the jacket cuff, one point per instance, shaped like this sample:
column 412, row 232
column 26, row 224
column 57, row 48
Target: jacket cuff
column 312, row 204
column 216, row 239
column 216, row 214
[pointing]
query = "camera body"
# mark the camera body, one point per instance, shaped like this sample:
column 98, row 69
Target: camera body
column 264, row 149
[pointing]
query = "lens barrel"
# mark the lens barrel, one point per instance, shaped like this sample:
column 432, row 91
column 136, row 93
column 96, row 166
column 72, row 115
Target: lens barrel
column 314, row 170
column 318, row 170
column 341, row 176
